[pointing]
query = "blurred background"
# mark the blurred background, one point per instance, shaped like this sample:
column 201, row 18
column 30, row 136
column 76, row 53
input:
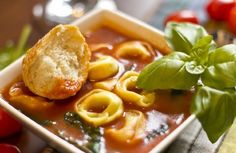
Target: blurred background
column 42, row 14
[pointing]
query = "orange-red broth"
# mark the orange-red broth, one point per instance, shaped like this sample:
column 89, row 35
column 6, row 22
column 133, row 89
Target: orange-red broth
column 169, row 110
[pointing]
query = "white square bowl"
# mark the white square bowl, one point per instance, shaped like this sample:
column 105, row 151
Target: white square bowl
column 118, row 21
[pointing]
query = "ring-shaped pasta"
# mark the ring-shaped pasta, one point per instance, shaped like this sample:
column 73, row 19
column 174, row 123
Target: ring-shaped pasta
column 103, row 68
column 128, row 81
column 135, row 49
column 110, row 107
column 27, row 103
column 133, row 129
column 106, row 84
column 100, row 46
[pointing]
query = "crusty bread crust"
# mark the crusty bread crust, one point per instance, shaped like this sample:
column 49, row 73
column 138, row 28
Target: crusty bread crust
column 56, row 67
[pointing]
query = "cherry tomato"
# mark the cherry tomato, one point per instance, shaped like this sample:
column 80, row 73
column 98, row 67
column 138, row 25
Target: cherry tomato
column 219, row 9
column 7, row 148
column 182, row 16
column 8, row 125
column 231, row 21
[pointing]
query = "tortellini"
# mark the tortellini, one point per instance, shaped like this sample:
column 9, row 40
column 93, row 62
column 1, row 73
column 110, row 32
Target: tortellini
column 133, row 129
column 134, row 49
column 27, row 103
column 103, row 68
column 128, row 81
column 106, row 85
column 108, row 104
column 97, row 47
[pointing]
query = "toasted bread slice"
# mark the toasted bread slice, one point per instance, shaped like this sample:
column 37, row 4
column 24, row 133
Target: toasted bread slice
column 56, row 67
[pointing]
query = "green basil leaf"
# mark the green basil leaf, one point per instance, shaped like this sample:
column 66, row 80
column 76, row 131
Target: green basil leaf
column 168, row 72
column 221, row 71
column 220, row 76
column 201, row 49
column 191, row 32
column 223, row 54
column 178, row 56
column 203, row 43
column 194, row 68
column 177, row 41
column 183, row 36
column 215, row 109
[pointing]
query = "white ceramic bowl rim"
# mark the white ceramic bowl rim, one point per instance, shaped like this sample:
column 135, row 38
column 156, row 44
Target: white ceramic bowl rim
column 85, row 23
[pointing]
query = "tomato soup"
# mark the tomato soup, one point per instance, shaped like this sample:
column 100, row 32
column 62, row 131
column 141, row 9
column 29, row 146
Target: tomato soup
column 169, row 109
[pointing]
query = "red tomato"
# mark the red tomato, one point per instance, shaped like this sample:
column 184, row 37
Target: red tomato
column 7, row 148
column 232, row 20
column 219, row 9
column 8, row 125
column 182, row 16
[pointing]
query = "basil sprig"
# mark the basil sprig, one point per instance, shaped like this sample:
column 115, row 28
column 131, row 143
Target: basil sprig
column 197, row 63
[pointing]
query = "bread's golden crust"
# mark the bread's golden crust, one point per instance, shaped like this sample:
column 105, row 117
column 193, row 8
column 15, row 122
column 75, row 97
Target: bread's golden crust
column 56, row 67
